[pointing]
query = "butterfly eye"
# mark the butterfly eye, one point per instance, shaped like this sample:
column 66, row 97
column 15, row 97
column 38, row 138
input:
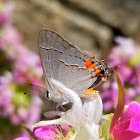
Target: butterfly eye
column 102, row 71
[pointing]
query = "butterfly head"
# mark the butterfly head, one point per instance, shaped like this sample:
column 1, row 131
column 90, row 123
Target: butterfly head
column 105, row 71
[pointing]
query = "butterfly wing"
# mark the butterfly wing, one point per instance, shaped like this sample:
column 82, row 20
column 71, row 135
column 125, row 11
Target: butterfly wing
column 65, row 63
column 51, row 47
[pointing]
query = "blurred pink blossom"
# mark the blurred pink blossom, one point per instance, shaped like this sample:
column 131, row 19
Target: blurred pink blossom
column 25, row 68
column 126, row 56
column 11, row 36
column 5, row 13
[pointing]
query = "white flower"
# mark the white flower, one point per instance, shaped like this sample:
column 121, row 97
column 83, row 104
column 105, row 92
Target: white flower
column 84, row 118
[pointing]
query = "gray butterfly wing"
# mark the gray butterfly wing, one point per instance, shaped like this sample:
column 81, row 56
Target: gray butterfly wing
column 63, row 62
column 51, row 47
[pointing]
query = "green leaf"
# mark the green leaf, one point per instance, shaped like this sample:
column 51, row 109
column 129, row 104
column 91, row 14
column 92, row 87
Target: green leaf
column 105, row 125
column 120, row 106
column 29, row 131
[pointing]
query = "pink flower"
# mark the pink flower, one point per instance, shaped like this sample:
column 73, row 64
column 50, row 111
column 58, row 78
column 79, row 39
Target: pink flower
column 128, row 126
column 51, row 131
column 5, row 13
column 126, row 55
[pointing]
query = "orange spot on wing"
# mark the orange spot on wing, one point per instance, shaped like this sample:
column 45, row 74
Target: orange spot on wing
column 97, row 71
column 83, row 69
column 89, row 64
column 75, row 66
column 61, row 62
column 60, row 92
column 71, row 65
column 66, row 65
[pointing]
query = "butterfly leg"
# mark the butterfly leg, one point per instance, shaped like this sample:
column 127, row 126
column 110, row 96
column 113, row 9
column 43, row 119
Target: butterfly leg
column 61, row 105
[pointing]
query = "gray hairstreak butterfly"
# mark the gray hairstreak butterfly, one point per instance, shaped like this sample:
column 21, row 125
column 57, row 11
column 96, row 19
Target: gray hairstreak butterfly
column 75, row 68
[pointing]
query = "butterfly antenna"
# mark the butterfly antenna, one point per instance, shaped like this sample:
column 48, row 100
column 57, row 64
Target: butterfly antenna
column 104, row 60
column 115, row 68
column 37, row 86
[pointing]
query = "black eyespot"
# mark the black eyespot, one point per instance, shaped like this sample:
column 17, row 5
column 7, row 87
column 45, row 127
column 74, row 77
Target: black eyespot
column 47, row 94
column 102, row 71
column 92, row 62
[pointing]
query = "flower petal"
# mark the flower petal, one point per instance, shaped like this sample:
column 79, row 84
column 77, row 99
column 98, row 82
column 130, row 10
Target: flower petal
column 126, row 135
column 45, row 132
column 132, row 111
column 128, row 126
column 92, row 109
column 128, row 129
column 134, row 126
column 137, row 138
